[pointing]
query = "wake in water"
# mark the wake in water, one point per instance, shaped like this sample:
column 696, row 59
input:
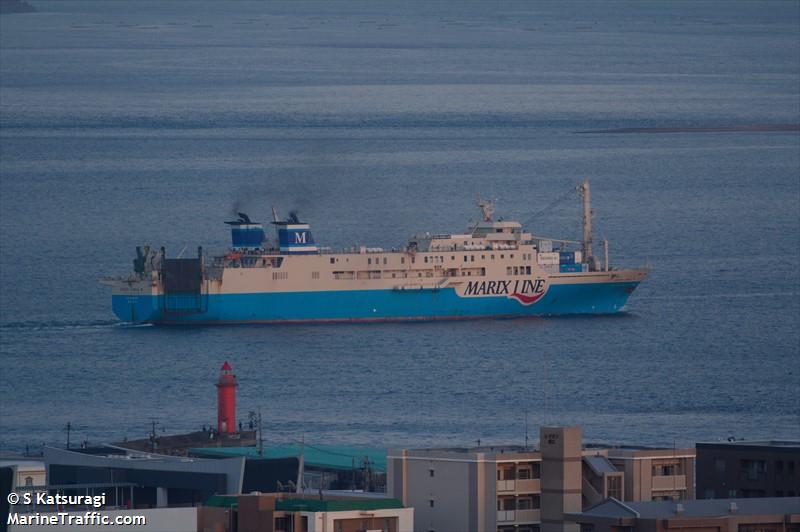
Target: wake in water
column 67, row 325
column 724, row 296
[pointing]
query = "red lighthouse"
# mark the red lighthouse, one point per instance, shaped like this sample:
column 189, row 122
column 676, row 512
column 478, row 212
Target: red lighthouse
column 226, row 399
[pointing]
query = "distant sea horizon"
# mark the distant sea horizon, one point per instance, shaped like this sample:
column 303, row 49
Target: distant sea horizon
column 128, row 123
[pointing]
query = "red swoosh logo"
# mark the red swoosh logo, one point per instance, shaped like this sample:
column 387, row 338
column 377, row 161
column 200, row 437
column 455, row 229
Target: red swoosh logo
column 526, row 300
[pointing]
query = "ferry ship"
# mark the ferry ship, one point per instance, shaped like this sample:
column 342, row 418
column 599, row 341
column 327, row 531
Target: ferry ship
column 494, row 270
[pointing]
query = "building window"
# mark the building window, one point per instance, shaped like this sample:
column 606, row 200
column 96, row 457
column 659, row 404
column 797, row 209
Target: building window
column 29, row 481
column 719, row 465
column 752, row 469
column 384, row 260
column 430, row 471
column 369, row 261
column 524, row 474
column 664, row 470
column 614, row 487
column 430, row 502
column 333, row 260
column 708, row 494
column 402, row 260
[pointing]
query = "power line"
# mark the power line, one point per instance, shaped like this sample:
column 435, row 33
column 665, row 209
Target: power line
column 551, row 206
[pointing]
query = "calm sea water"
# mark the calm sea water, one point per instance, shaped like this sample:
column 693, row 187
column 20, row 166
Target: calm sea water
column 130, row 122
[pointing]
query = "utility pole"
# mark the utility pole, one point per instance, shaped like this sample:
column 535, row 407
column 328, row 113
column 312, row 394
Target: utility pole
column 153, row 423
column 526, row 429
column 587, row 224
column 68, row 428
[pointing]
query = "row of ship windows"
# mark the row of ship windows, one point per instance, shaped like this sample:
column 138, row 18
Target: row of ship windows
column 404, row 274
column 437, row 259
column 518, row 270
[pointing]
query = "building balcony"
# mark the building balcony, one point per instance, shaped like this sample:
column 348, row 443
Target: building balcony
column 530, row 485
column 506, row 485
column 518, row 516
column 669, row 483
column 529, row 516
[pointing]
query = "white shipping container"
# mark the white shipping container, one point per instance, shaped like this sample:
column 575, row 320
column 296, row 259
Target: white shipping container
column 548, row 258
column 578, row 257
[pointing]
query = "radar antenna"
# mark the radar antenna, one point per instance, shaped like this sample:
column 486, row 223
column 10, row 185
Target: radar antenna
column 487, row 209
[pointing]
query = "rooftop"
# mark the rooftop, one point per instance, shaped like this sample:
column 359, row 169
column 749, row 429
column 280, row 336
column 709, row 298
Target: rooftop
column 320, row 456
column 612, row 508
column 293, row 503
column 316, row 505
column 788, row 444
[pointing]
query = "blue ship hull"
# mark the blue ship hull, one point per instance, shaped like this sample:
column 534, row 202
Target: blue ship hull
column 370, row 305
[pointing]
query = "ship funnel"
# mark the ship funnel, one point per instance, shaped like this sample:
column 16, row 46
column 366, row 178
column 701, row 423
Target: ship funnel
column 246, row 234
column 294, row 236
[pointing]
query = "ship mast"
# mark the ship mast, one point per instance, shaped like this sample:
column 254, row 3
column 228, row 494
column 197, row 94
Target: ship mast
column 587, row 224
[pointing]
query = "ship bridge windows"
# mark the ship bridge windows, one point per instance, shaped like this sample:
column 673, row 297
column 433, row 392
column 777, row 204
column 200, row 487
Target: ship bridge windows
column 344, row 276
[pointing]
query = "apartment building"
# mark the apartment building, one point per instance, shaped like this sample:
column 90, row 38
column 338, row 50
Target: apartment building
column 720, row 515
column 506, row 488
column 748, row 469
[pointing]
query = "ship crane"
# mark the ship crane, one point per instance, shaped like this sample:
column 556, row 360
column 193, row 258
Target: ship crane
column 585, row 191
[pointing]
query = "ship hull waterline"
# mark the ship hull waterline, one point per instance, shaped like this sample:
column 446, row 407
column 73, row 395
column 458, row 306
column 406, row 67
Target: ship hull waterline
column 377, row 305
